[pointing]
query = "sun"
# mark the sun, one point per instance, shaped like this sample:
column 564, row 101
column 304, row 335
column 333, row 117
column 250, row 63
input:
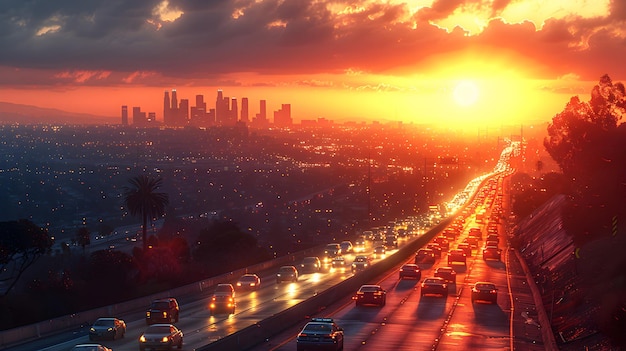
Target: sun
column 466, row 93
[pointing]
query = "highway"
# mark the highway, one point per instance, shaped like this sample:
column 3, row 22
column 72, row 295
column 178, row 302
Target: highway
column 411, row 322
column 407, row 321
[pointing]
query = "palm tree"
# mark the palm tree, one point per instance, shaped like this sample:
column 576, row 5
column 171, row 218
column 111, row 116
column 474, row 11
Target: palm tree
column 142, row 199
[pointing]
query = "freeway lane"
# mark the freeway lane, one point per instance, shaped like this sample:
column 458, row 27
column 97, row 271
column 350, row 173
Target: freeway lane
column 200, row 327
column 411, row 322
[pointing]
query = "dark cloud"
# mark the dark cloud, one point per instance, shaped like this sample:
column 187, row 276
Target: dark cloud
column 216, row 37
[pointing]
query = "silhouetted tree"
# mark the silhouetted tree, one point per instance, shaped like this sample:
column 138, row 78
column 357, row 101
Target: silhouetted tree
column 83, row 237
column 22, row 243
column 142, row 199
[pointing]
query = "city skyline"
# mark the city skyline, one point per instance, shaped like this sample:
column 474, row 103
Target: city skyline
column 419, row 61
column 224, row 112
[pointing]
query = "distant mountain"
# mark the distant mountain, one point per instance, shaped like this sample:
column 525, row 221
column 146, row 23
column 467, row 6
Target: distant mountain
column 28, row 114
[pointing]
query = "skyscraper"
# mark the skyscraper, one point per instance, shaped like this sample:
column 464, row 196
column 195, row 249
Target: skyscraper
column 244, row 110
column 234, row 112
column 125, row 115
column 167, row 108
column 282, row 117
column 183, row 113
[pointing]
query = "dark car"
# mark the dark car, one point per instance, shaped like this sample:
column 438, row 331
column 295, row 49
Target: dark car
column 492, row 253
column 346, row 247
column 485, row 291
column 287, row 274
column 466, row 247
column 370, row 294
column 410, row 271
column 447, row 273
column 493, row 237
column 391, row 241
column 360, row 263
column 457, row 256
column 332, row 250
column 163, row 311
column 223, row 299
column 425, row 256
column 436, row 249
column 359, row 245
column 107, row 328
column 90, row 347
column 310, row 264
column 249, row 281
column 434, row 286
column 320, row 333
column 379, row 252
column 161, row 337
column 339, row 264
column 443, row 242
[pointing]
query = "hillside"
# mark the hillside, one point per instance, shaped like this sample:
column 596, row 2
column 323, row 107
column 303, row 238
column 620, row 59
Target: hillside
column 28, row 114
column 578, row 290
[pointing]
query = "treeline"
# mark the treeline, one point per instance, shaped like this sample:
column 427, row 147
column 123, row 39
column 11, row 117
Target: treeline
column 73, row 281
column 588, row 142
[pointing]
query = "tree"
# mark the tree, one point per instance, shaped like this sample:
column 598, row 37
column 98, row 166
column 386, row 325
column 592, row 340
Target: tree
column 83, row 237
column 574, row 131
column 142, row 199
column 22, row 243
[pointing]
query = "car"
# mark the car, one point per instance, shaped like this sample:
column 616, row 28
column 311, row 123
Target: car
column 287, row 274
column 410, row 271
column 360, row 263
column 320, row 333
column 492, row 253
column 425, row 255
column 370, row 294
column 466, row 247
column 491, row 243
column 434, row 286
column 451, row 233
column 379, row 252
column 447, row 273
column 443, row 242
column 359, row 244
column 472, row 241
column 338, row 264
column 311, row 264
column 391, row 241
column 475, row 231
column 457, row 256
column 332, row 250
column 90, row 347
column 485, row 291
column 436, row 249
column 161, row 337
column 163, row 311
column 346, row 246
column 493, row 237
column 107, row 328
column 223, row 299
column 249, row 281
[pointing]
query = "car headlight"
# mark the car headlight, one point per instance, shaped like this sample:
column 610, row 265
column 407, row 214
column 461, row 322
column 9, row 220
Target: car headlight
column 142, row 338
column 92, row 329
column 165, row 339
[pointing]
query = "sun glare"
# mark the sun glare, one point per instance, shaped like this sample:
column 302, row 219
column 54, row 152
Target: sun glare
column 465, row 93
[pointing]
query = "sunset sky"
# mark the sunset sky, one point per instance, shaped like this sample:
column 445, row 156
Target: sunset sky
column 441, row 62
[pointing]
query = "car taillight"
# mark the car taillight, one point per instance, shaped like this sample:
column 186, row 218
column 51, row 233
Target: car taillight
column 493, row 291
column 164, row 314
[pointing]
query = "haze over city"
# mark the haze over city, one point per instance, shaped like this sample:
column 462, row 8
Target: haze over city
column 445, row 63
